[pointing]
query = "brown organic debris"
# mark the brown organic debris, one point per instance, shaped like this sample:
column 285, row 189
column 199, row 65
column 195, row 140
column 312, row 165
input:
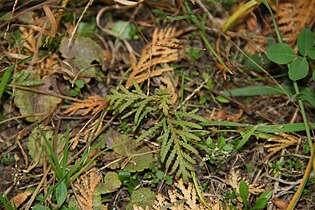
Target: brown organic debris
column 163, row 49
column 278, row 143
column 235, row 179
column 187, row 199
column 92, row 104
column 20, row 198
column 87, row 188
column 293, row 16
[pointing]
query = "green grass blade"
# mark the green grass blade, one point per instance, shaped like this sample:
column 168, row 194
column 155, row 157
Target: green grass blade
column 246, row 137
column 5, row 78
column 7, row 74
column 284, row 128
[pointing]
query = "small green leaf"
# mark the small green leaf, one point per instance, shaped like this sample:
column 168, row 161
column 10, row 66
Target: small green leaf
column 193, row 53
column 310, row 52
column 298, row 69
column 222, row 99
column 125, row 30
column 243, row 188
column 111, row 183
column 159, row 174
column 86, row 29
column 313, row 75
column 221, row 142
column 262, row 200
column 305, row 41
column 39, row 207
column 281, row 53
column 61, row 193
column 143, row 197
column 80, row 83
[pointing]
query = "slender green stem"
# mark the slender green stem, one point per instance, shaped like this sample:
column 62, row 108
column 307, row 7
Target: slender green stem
column 301, row 105
column 202, row 199
column 202, row 32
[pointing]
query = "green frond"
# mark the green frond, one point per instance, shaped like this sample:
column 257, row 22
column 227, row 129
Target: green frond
column 114, row 92
column 141, row 105
column 137, row 87
column 186, row 124
column 188, row 147
column 175, row 128
column 187, row 135
column 176, row 164
column 183, row 171
column 191, row 115
column 123, row 89
column 166, row 145
column 170, row 159
column 151, row 131
column 187, row 158
column 143, row 114
column 123, row 106
column 128, row 113
column 116, row 104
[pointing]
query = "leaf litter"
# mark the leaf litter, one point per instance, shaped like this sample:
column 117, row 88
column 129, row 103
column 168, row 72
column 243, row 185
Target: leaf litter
column 155, row 62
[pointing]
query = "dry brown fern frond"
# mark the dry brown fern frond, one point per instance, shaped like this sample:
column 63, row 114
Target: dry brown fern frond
column 187, row 199
column 92, row 104
column 234, row 181
column 278, row 143
column 293, row 16
column 87, row 188
column 163, row 49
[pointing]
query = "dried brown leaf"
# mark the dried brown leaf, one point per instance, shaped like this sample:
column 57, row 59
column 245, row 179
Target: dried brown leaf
column 20, row 198
column 163, row 49
column 92, row 104
column 280, row 204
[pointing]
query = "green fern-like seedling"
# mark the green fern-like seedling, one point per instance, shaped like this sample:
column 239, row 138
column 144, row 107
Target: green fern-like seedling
column 175, row 129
